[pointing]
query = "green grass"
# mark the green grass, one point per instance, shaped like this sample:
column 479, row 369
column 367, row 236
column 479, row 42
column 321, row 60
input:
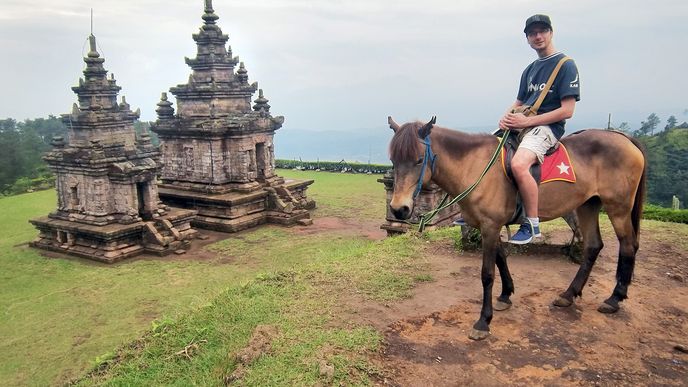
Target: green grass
column 346, row 195
column 61, row 316
column 301, row 303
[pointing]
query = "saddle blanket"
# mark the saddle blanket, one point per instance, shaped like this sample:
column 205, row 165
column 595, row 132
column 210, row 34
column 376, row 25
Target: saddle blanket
column 556, row 167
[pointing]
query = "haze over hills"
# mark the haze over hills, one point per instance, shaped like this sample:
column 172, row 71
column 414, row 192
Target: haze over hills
column 370, row 144
column 354, row 145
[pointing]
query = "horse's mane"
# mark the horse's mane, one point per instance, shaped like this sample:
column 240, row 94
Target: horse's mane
column 405, row 144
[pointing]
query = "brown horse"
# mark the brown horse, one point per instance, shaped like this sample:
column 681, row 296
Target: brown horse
column 610, row 171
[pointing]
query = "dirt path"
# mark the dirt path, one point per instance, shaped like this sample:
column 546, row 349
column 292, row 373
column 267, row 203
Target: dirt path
column 535, row 343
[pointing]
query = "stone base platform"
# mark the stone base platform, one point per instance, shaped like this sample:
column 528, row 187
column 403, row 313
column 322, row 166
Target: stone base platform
column 114, row 242
column 430, row 197
column 394, row 227
column 285, row 204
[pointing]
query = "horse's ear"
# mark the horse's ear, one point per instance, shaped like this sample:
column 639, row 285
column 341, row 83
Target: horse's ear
column 427, row 128
column 392, row 123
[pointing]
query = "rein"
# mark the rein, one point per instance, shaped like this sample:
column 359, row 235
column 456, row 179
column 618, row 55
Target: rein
column 426, row 218
column 427, row 156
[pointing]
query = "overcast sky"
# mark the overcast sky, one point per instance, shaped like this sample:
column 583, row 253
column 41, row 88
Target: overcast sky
column 347, row 65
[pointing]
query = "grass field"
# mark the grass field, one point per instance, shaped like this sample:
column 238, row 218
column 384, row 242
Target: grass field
column 63, row 316
column 183, row 320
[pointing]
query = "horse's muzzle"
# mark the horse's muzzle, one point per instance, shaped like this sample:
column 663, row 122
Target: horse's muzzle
column 401, row 213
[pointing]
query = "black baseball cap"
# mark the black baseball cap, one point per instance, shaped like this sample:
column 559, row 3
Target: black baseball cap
column 535, row 19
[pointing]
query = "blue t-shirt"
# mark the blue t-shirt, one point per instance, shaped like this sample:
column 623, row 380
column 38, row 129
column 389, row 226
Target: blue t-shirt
column 566, row 84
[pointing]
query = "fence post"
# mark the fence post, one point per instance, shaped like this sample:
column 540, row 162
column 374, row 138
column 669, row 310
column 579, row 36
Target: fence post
column 675, row 203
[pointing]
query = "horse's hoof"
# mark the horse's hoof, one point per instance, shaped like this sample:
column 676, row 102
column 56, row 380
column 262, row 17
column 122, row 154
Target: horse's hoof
column 607, row 308
column 562, row 302
column 478, row 335
column 500, row 305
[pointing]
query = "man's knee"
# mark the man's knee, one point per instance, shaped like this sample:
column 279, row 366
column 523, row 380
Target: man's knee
column 523, row 160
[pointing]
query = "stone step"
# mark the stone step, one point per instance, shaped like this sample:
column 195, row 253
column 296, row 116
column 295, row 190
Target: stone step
column 305, row 222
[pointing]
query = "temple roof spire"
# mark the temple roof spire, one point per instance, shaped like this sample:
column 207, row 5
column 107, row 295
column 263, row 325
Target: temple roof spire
column 93, row 52
column 209, row 16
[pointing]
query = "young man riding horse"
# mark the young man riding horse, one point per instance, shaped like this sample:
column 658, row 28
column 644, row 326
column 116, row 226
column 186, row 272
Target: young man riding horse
column 610, row 172
column 548, row 125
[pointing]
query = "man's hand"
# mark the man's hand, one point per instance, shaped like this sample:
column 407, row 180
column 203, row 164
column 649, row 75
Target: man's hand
column 514, row 121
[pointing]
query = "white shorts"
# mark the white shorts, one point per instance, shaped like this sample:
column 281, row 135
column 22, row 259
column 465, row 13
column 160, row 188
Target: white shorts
column 538, row 140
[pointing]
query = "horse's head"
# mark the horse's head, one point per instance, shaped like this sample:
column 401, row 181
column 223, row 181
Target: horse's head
column 413, row 163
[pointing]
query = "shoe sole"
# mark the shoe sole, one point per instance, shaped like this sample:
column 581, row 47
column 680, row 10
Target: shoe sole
column 524, row 242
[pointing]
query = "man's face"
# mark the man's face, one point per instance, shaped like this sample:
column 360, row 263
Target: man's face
column 539, row 36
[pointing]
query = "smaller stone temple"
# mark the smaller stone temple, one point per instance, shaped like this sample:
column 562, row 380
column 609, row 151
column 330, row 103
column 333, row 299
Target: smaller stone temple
column 108, row 207
column 217, row 150
column 429, row 198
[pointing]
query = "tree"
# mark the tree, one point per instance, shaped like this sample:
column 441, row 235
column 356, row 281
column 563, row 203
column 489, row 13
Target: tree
column 649, row 125
column 625, row 127
column 671, row 123
column 45, row 128
column 21, row 146
column 8, row 124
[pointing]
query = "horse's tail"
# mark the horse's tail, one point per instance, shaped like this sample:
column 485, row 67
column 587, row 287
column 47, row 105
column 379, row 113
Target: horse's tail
column 637, row 211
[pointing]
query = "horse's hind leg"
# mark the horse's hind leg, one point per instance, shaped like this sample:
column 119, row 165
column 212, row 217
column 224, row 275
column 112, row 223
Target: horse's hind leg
column 628, row 246
column 589, row 225
column 503, row 301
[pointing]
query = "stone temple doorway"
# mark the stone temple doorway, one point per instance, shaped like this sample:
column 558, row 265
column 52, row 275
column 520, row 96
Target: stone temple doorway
column 261, row 161
column 143, row 195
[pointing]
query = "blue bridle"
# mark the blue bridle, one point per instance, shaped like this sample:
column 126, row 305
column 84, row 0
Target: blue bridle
column 428, row 156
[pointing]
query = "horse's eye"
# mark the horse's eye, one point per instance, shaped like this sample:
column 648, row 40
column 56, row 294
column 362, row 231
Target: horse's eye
column 419, row 162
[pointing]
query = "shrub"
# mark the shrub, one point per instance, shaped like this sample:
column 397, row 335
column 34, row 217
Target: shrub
column 333, row 166
column 655, row 212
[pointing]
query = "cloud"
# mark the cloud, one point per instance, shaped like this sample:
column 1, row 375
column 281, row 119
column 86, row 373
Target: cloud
column 357, row 60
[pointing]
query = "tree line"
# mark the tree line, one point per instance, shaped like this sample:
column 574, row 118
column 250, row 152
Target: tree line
column 667, row 153
column 22, row 145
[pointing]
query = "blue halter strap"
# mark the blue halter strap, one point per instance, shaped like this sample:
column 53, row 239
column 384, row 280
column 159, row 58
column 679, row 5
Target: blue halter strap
column 427, row 157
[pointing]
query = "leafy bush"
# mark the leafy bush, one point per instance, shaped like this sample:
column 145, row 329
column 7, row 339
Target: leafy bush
column 654, row 212
column 333, row 166
column 28, row 184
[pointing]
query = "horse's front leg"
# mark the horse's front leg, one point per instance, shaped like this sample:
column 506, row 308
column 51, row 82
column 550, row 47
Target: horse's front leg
column 481, row 329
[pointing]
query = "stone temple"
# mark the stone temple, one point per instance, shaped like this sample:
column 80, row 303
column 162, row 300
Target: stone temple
column 107, row 195
column 217, row 149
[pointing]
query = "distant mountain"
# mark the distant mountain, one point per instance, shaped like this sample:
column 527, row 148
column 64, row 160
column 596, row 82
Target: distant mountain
column 365, row 145
column 357, row 145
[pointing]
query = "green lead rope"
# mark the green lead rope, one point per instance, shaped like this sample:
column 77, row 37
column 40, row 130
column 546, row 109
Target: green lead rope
column 426, row 218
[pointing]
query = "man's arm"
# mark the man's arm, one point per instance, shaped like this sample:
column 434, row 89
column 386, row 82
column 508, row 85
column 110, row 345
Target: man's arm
column 520, row 121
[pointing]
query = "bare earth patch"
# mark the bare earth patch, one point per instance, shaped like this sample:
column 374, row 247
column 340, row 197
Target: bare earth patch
column 259, row 344
column 534, row 343
column 367, row 228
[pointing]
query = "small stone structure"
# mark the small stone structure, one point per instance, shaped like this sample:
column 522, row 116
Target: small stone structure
column 218, row 152
column 429, row 198
column 107, row 196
